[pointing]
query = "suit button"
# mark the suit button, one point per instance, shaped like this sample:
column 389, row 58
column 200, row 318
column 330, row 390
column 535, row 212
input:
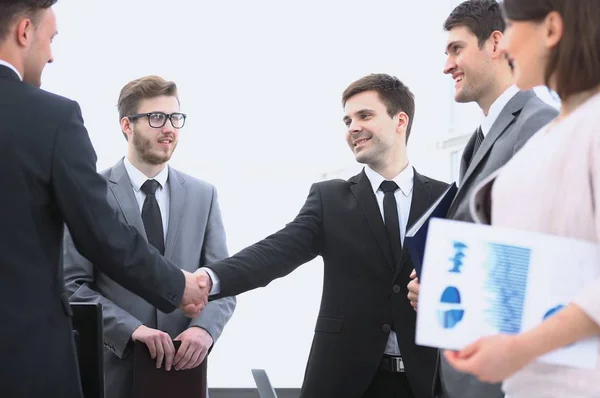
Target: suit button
column 386, row 328
column 396, row 289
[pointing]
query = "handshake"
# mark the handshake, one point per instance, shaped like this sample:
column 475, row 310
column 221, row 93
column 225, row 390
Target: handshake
column 195, row 295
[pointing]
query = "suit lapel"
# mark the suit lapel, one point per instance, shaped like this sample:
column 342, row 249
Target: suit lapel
column 362, row 190
column 120, row 186
column 177, row 202
column 421, row 200
column 505, row 118
column 464, row 165
column 466, row 157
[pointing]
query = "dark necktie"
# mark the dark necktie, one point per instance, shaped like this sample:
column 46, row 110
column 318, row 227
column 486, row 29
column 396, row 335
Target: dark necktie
column 151, row 216
column 478, row 140
column 390, row 216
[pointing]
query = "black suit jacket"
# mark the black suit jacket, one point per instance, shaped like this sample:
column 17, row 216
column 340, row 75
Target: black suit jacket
column 364, row 292
column 48, row 175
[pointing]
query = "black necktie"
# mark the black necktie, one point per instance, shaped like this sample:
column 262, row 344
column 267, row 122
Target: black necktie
column 151, row 216
column 478, row 140
column 390, row 216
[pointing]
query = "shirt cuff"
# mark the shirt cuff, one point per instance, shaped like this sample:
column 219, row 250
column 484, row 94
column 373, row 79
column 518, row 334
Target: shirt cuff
column 216, row 283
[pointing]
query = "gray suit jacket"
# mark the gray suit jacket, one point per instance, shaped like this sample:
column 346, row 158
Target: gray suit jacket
column 195, row 237
column 521, row 118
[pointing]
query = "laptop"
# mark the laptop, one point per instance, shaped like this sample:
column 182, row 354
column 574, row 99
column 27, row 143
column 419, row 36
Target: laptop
column 263, row 384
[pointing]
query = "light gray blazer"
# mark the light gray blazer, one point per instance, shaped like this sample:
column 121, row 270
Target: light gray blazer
column 195, row 237
column 520, row 119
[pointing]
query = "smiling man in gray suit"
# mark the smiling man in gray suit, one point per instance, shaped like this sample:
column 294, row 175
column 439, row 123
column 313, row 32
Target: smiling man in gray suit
column 178, row 214
column 482, row 73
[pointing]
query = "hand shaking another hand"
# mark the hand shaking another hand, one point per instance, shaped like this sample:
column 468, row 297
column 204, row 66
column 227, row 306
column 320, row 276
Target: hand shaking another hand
column 195, row 295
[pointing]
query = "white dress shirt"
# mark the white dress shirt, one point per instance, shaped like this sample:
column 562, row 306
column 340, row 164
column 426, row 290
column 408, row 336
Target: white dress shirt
column 2, row 62
column 496, row 108
column 403, row 200
column 138, row 178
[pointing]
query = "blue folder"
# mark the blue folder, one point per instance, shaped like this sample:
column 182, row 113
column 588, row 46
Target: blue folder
column 416, row 236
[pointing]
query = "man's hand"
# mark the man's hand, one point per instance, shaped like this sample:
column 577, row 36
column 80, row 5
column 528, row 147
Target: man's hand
column 195, row 295
column 159, row 344
column 204, row 280
column 195, row 343
column 413, row 290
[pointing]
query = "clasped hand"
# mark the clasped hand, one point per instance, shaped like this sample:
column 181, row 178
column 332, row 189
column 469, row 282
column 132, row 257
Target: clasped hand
column 195, row 344
column 195, row 295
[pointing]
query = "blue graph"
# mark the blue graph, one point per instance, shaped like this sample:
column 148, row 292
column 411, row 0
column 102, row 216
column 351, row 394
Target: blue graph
column 457, row 259
column 553, row 311
column 450, row 311
column 508, row 270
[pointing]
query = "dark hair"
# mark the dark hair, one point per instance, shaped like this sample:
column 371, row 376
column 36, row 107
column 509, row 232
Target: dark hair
column 481, row 17
column 11, row 9
column 140, row 89
column 393, row 93
column 576, row 58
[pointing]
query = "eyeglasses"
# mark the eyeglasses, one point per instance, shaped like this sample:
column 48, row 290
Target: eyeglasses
column 158, row 119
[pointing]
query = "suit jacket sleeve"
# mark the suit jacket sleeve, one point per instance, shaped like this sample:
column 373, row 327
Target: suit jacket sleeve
column 217, row 313
column 79, row 276
column 278, row 254
column 116, row 248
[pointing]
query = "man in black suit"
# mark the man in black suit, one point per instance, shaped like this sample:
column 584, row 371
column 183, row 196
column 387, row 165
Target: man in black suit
column 364, row 343
column 49, row 177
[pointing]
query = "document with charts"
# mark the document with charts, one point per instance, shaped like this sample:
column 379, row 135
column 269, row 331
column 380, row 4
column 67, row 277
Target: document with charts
column 479, row 280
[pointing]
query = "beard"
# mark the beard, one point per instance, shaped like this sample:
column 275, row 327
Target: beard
column 143, row 147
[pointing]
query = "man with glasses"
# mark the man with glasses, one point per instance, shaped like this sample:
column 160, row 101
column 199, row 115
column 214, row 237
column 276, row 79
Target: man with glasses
column 178, row 214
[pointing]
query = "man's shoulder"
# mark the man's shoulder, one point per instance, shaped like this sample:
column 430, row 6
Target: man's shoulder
column 335, row 184
column 190, row 181
column 535, row 104
column 106, row 172
column 437, row 186
column 46, row 103
column 535, row 111
column 535, row 114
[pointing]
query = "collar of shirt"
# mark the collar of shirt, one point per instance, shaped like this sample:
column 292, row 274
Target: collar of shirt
column 404, row 179
column 496, row 108
column 138, row 178
column 11, row 66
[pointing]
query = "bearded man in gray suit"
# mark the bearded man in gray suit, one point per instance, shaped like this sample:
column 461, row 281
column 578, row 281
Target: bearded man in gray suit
column 179, row 215
column 483, row 73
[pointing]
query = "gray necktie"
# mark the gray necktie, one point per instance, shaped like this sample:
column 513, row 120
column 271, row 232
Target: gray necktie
column 478, row 140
